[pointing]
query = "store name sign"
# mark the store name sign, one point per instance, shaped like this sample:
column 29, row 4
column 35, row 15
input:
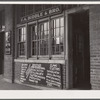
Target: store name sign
column 42, row 14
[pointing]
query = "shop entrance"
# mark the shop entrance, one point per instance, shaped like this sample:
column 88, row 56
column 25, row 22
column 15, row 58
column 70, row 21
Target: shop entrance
column 1, row 52
column 81, row 54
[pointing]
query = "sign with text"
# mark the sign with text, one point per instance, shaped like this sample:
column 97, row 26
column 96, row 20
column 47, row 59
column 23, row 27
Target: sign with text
column 8, row 43
column 42, row 74
column 48, row 12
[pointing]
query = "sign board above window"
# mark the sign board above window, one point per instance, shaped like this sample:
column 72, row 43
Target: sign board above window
column 45, row 13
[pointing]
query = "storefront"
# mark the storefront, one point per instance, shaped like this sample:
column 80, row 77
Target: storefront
column 43, row 52
column 40, row 48
column 52, row 46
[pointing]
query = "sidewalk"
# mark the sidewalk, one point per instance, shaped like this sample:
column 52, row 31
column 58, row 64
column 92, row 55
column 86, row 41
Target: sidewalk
column 13, row 86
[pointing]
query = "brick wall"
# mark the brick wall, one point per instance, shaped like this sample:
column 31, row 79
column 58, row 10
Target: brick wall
column 95, row 46
column 8, row 67
column 17, row 71
column 9, row 27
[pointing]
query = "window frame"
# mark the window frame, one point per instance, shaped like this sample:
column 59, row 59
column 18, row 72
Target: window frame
column 30, row 24
column 32, row 41
column 28, row 52
column 58, row 55
column 39, row 24
column 38, row 32
column 17, row 40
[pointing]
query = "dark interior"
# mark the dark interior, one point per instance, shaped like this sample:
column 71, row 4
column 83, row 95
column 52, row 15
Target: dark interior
column 1, row 52
column 81, row 52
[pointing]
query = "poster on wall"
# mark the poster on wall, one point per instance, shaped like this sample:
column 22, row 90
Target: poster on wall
column 8, row 43
column 48, row 75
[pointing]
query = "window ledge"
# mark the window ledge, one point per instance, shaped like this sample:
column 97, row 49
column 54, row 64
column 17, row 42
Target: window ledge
column 39, row 61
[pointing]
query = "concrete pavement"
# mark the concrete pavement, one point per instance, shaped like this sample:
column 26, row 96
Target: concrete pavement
column 13, row 86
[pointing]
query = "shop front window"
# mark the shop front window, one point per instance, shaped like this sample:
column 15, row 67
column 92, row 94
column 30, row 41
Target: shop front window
column 43, row 41
column 44, row 38
column 40, row 39
column 57, row 37
column 21, row 41
column 34, row 39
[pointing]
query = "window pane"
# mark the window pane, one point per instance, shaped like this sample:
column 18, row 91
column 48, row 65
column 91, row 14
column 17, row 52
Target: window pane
column 57, row 22
column 48, row 26
column 53, row 41
column 21, row 41
column 53, row 50
column 22, row 31
column 57, row 32
column 41, row 28
column 34, row 48
column 61, row 49
column 35, row 29
column 58, row 36
column 22, row 49
column 42, row 35
column 45, row 34
column 62, row 31
column 34, row 32
column 53, row 23
column 45, row 26
column 62, row 22
column 24, row 36
column 54, row 32
column 61, row 40
column 58, row 40
column 57, row 49
column 19, row 35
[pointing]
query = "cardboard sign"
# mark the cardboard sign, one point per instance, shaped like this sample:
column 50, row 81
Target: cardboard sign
column 42, row 74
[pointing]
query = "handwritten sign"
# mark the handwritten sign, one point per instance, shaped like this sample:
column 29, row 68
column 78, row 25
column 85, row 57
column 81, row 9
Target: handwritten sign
column 7, row 43
column 48, row 12
column 42, row 74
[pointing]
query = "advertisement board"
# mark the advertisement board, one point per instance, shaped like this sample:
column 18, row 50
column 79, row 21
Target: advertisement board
column 42, row 74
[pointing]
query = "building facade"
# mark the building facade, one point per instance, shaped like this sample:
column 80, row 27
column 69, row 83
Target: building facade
column 50, row 46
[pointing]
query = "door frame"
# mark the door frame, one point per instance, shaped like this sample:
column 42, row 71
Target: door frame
column 69, row 42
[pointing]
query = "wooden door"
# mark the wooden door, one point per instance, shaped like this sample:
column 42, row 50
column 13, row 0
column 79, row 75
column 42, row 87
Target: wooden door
column 78, row 54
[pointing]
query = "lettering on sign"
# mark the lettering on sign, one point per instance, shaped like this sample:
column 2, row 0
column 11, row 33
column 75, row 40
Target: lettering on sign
column 41, row 14
column 42, row 74
column 52, row 77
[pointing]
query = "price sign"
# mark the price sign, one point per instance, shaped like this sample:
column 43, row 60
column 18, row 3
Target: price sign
column 42, row 74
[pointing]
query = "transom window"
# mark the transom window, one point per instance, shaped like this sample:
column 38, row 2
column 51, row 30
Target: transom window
column 21, row 41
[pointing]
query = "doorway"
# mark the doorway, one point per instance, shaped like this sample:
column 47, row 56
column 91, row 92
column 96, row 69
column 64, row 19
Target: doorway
column 1, row 52
column 81, row 51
